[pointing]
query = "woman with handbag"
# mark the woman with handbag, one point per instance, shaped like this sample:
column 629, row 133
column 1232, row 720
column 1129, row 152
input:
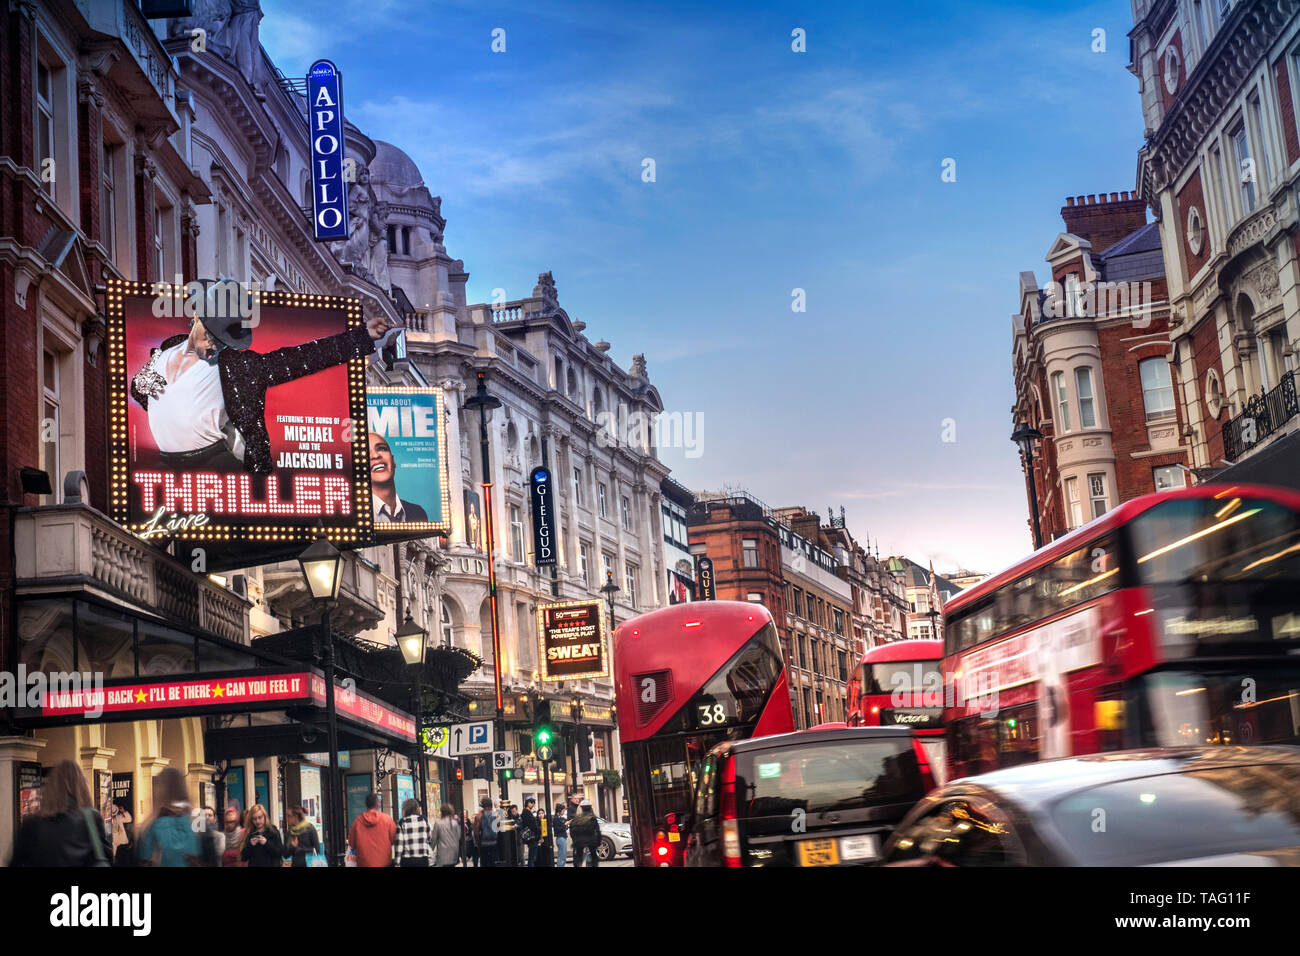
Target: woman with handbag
column 304, row 841
column 67, row 830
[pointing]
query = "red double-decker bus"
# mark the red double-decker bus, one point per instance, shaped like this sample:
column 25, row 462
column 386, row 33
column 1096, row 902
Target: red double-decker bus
column 1173, row 619
column 688, row 677
column 901, row 683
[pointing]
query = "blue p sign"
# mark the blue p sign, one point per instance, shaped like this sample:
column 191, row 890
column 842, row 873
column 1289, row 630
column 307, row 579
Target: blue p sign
column 478, row 733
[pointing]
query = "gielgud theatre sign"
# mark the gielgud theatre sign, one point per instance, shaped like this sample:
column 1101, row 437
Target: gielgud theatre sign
column 237, row 414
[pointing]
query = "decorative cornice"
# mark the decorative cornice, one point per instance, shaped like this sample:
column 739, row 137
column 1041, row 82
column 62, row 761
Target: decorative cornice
column 1217, row 79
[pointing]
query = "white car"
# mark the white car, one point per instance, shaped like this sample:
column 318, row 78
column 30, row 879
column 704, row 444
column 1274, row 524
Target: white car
column 615, row 841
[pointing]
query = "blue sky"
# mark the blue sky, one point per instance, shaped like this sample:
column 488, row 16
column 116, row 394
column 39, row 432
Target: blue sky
column 775, row 170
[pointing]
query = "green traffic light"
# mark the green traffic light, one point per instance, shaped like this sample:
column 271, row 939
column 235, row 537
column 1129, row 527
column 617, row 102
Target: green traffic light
column 543, row 736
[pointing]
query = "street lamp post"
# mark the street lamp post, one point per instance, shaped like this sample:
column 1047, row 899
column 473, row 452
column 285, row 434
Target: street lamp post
column 322, row 565
column 413, row 640
column 1025, row 435
column 485, row 403
column 609, row 590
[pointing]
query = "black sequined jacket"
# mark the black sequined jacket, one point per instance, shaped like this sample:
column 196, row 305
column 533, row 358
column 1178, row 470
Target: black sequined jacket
column 245, row 377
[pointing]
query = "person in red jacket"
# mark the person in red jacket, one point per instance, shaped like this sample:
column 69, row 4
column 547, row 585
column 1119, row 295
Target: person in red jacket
column 372, row 835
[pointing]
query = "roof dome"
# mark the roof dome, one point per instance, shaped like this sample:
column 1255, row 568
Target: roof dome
column 393, row 167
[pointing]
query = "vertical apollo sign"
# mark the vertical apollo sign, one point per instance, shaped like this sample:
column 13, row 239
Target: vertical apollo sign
column 539, row 488
column 329, row 193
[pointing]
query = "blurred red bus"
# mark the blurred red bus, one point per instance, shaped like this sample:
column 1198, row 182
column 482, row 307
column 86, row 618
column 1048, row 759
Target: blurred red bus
column 1173, row 619
column 901, row 683
column 688, row 677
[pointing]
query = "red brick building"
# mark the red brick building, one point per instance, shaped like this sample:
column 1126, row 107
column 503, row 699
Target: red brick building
column 1091, row 358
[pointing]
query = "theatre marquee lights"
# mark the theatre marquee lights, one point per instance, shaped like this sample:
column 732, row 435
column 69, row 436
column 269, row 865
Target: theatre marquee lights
column 307, row 385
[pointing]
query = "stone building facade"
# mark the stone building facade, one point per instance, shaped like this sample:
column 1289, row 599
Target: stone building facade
column 1219, row 168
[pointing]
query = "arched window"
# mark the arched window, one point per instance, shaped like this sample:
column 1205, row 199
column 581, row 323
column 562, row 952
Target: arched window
column 448, row 631
column 1062, row 399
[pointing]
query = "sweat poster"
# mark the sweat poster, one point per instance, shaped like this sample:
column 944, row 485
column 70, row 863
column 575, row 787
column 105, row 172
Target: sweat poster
column 240, row 413
column 407, row 444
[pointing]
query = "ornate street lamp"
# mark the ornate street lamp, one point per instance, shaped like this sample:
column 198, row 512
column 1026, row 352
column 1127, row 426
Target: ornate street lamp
column 322, row 566
column 413, row 640
column 609, row 590
column 1025, row 435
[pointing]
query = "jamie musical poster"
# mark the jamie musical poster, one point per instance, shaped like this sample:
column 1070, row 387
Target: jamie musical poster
column 237, row 415
column 408, row 455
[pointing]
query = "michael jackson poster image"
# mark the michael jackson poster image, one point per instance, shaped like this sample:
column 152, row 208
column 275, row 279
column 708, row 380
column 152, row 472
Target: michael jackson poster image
column 407, row 445
column 238, row 422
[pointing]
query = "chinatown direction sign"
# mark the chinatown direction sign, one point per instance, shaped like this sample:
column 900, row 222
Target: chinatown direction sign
column 571, row 639
column 471, row 738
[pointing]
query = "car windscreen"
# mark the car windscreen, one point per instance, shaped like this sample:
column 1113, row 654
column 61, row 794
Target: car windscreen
column 830, row 775
column 1182, row 816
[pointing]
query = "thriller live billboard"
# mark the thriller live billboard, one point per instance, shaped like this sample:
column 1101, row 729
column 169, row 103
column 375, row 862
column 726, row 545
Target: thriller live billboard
column 233, row 414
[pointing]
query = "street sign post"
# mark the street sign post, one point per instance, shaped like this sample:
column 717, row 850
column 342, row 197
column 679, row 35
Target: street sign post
column 472, row 738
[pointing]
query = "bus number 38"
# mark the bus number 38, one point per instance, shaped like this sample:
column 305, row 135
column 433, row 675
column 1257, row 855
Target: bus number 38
column 712, row 714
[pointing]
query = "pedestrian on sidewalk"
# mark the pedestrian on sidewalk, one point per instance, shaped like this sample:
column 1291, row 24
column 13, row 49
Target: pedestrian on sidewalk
column 234, row 839
column 560, row 824
column 168, row 837
column 469, row 848
column 487, row 830
column 447, row 836
column 262, row 844
column 304, row 841
column 414, row 846
column 67, row 830
column 529, row 831
column 585, row 832
column 372, row 835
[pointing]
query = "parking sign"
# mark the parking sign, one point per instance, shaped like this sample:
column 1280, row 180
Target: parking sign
column 472, row 738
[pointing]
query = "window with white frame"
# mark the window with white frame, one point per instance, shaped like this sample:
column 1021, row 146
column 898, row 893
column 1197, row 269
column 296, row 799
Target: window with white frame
column 1167, row 477
column 1083, row 388
column 161, row 221
column 1074, row 506
column 1097, row 494
column 601, row 499
column 584, row 562
column 627, row 513
column 577, row 486
column 749, row 550
column 1062, row 400
column 1246, row 172
column 1157, row 388
column 447, row 630
column 1224, row 203
column 606, row 566
column 108, row 197
column 516, row 533
column 1259, row 132
column 50, row 421
column 629, row 583
column 47, row 74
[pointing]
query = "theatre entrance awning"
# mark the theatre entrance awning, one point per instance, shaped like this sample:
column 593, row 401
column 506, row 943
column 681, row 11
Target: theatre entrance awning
column 82, row 660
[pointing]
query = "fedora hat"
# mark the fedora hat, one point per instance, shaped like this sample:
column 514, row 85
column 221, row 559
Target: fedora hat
column 226, row 309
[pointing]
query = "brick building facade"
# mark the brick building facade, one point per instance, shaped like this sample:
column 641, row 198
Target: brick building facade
column 1091, row 363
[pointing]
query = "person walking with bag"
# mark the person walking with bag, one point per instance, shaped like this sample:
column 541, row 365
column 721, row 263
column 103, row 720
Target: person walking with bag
column 585, row 831
column 447, row 836
column 67, row 830
column 414, row 847
column 530, row 831
column 487, row 829
column 304, row 841
column 168, row 837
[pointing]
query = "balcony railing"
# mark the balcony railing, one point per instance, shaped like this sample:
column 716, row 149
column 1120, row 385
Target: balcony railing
column 76, row 547
column 1263, row 415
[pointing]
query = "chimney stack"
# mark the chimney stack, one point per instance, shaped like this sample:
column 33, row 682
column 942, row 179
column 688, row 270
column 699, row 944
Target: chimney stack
column 1104, row 219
